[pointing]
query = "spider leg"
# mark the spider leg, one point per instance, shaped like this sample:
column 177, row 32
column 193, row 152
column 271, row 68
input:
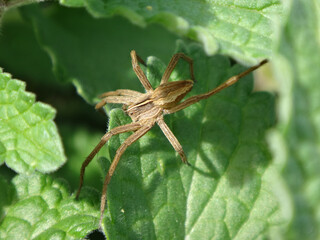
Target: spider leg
column 172, row 139
column 131, row 139
column 172, row 64
column 115, row 99
column 137, row 69
column 199, row 97
column 121, row 96
column 104, row 139
column 121, row 92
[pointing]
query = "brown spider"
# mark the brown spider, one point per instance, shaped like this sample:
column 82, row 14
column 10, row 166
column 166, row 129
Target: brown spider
column 147, row 109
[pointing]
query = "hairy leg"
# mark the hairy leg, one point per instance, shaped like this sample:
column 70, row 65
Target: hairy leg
column 134, row 137
column 104, row 139
column 115, row 99
column 224, row 85
column 172, row 139
column 121, row 92
column 172, row 64
column 140, row 74
column 121, row 96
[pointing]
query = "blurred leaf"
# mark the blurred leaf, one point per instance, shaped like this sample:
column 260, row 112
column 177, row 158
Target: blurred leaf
column 243, row 30
column 298, row 74
column 43, row 209
column 29, row 139
column 232, row 190
column 94, row 53
column 20, row 54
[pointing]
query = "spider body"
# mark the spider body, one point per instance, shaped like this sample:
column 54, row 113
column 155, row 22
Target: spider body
column 147, row 109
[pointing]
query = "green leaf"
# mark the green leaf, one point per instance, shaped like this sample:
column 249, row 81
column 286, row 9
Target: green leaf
column 241, row 29
column 43, row 209
column 20, row 54
column 94, row 53
column 299, row 119
column 231, row 191
column 29, row 139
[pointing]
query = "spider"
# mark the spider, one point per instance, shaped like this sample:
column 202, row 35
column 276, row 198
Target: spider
column 148, row 109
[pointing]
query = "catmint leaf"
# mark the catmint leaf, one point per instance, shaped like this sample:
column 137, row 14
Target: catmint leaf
column 43, row 209
column 20, row 51
column 96, row 54
column 296, row 71
column 231, row 191
column 241, row 29
column 29, row 139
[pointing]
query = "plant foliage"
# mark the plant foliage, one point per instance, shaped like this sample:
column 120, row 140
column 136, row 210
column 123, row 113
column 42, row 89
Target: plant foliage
column 254, row 158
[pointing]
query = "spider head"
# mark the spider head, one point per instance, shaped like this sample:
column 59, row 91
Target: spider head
column 171, row 93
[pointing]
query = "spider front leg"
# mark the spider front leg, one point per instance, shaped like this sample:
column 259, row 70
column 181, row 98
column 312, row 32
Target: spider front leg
column 140, row 74
column 121, row 96
column 224, row 85
column 126, row 100
column 172, row 139
column 172, row 64
column 131, row 139
column 104, row 139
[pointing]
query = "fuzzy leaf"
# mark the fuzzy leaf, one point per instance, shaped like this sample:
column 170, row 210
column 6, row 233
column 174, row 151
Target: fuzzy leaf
column 232, row 189
column 298, row 74
column 95, row 55
column 29, row 139
column 241, row 29
column 20, row 52
column 43, row 209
